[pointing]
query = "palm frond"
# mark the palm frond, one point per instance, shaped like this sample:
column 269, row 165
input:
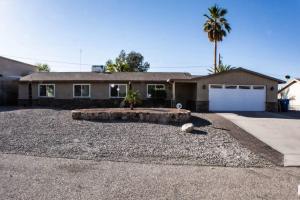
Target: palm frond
column 216, row 24
column 227, row 27
column 223, row 12
column 223, row 33
column 220, row 68
column 208, row 17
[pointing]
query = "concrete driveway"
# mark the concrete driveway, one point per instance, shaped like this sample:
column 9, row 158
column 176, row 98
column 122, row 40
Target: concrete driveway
column 281, row 132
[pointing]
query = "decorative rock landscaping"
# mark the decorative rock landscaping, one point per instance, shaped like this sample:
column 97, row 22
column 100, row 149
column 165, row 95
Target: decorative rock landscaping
column 156, row 115
column 53, row 133
column 189, row 127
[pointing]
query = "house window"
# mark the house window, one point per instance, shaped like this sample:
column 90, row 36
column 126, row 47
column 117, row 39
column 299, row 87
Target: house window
column 117, row 90
column 46, row 90
column 81, row 90
column 152, row 88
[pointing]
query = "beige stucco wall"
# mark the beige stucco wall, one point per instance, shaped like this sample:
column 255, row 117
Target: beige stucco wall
column 100, row 90
column 236, row 78
column 23, row 91
column 64, row 90
column 14, row 68
column 141, row 87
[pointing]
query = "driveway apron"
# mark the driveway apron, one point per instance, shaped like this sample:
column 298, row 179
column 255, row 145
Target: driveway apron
column 281, row 132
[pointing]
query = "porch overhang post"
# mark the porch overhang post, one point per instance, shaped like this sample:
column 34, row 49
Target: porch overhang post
column 173, row 94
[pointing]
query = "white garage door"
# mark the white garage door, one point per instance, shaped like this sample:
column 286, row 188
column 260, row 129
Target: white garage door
column 237, row 97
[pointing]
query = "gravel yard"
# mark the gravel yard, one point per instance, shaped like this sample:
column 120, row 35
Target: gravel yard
column 53, row 133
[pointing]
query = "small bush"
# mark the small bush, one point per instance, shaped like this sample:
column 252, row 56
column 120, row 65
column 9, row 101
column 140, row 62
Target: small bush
column 132, row 98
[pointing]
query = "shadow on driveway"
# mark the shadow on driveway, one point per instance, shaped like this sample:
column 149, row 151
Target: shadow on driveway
column 292, row 114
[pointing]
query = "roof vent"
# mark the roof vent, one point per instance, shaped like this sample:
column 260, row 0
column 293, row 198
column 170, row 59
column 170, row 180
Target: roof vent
column 98, row 68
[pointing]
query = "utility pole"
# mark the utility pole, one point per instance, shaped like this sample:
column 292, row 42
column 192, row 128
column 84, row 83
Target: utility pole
column 220, row 59
column 80, row 52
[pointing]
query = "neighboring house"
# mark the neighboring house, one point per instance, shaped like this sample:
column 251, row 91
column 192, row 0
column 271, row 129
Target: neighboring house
column 236, row 90
column 291, row 91
column 10, row 73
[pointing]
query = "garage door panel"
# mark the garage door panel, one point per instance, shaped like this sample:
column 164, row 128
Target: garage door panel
column 236, row 99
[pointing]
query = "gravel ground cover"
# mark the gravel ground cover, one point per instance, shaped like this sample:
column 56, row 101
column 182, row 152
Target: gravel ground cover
column 53, row 133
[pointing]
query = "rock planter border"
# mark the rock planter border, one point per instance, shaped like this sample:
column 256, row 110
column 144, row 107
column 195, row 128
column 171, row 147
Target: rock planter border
column 154, row 115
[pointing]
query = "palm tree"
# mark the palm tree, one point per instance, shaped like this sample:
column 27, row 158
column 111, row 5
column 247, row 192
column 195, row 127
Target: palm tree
column 221, row 68
column 216, row 27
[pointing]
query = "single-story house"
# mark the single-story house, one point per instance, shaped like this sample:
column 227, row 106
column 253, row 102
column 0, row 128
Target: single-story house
column 236, row 90
column 10, row 73
column 291, row 91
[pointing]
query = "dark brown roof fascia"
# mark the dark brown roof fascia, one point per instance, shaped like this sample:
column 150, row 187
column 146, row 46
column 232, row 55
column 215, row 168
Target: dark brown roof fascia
column 92, row 81
column 285, row 87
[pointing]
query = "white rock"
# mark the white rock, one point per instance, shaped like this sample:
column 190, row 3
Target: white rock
column 76, row 140
column 189, row 127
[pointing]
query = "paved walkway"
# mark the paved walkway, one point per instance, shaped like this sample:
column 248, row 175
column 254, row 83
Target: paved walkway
column 27, row 177
column 281, row 132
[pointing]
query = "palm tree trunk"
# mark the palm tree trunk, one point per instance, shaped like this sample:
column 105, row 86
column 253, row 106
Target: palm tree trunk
column 215, row 58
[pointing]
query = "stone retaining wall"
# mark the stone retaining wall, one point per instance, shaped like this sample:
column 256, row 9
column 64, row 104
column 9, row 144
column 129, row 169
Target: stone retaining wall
column 154, row 115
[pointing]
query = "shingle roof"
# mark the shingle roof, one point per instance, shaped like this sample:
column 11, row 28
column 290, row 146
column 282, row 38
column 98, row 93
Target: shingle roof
column 116, row 76
column 243, row 70
column 16, row 61
column 128, row 76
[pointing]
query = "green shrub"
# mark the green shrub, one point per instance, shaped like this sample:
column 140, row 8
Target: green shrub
column 132, row 98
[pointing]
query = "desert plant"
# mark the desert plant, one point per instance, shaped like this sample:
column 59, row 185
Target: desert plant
column 132, row 98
